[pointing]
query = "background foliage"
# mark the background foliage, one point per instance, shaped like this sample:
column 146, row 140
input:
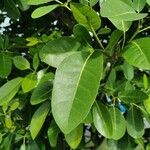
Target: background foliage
column 74, row 74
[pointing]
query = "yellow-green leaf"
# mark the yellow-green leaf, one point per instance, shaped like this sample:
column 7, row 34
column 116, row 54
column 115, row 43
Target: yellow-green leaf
column 9, row 90
column 29, row 82
column 38, row 119
column 41, row 11
column 21, row 63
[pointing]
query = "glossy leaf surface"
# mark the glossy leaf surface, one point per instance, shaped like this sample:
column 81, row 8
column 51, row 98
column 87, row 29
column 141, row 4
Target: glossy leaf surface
column 102, row 120
column 41, row 11
column 85, row 15
column 21, row 63
column 120, row 10
column 137, row 53
column 54, row 52
column 118, row 123
column 75, row 88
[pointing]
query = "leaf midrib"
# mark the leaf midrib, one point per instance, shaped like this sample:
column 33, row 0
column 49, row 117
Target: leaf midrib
column 125, row 13
column 76, row 87
column 103, row 120
column 139, row 48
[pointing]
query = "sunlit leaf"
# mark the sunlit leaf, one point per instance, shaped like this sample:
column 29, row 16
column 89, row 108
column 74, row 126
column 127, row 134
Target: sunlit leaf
column 73, row 92
column 38, row 119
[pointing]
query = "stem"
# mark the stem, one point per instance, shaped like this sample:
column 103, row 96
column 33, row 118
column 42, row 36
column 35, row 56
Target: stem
column 99, row 42
column 96, row 37
column 59, row 2
column 106, row 79
column 135, row 33
column 63, row 4
column 124, row 35
column 144, row 29
column 124, row 39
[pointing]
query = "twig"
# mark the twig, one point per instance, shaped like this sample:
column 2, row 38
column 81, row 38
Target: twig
column 124, row 35
column 135, row 33
column 96, row 37
column 144, row 29
column 63, row 4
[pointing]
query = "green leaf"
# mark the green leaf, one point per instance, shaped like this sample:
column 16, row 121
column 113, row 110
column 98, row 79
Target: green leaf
column 5, row 65
column 146, row 115
column 29, row 82
column 135, row 125
column 93, row 2
column 8, row 141
column 32, row 41
column 8, row 122
column 54, row 52
column 132, row 96
column 137, row 53
column 125, row 143
column 74, row 137
column 101, row 2
column 114, row 38
column 41, row 93
column 89, row 118
column 33, row 146
column 148, row 2
column 128, row 2
column 43, row 77
column 41, row 11
column 9, row 90
column 145, row 81
column 38, row 119
column 36, row 61
column 118, row 123
column 14, row 105
column 52, row 133
column 112, row 144
column 121, row 24
column 139, row 4
column 119, row 10
column 102, row 120
column 84, row 2
column 128, row 71
column 21, row 63
column 11, row 9
column 104, row 31
column 82, row 34
column 23, row 5
column 1, row 137
column 147, row 105
column 23, row 147
column 37, row 2
column 1, row 42
column 148, row 146
column 85, row 15
column 129, row 86
column 110, row 83
column 73, row 92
